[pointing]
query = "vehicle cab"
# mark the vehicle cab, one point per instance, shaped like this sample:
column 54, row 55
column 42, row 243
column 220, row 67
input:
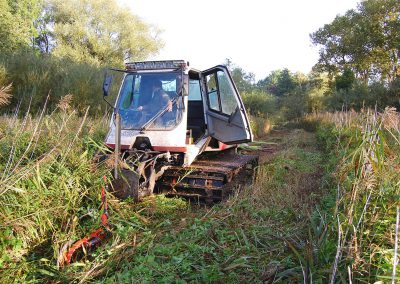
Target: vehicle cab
column 167, row 106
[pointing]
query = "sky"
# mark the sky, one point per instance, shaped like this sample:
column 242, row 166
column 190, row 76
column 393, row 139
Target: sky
column 258, row 35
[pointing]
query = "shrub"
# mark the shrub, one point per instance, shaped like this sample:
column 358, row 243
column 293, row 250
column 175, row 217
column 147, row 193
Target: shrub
column 259, row 103
column 260, row 126
column 34, row 77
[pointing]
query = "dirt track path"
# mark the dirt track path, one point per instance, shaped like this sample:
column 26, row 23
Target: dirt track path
column 297, row 153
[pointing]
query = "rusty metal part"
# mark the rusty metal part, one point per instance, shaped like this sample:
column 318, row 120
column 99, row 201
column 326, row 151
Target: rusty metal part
column 139, row 180
column 126, row 185
column 209, row 179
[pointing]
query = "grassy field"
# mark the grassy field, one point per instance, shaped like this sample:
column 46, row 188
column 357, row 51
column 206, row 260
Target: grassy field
column 322, row 208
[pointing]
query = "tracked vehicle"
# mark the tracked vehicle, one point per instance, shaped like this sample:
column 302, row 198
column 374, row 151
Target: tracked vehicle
column 175, row 130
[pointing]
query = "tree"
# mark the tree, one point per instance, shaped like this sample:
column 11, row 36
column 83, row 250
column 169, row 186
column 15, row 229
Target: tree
column 365, row 40
column 100, row 31
column 44, row 40
column 17, row 20
column 279, row 82
column 317, row 91
column 345, row 80
column 244, row 81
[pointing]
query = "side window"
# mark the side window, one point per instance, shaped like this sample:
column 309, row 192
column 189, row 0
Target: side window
column 228, row 99
column 194, row 90
column 221, row 95
column 129, row 95
column 212, row 92
column 136, row 91
column 127, row 92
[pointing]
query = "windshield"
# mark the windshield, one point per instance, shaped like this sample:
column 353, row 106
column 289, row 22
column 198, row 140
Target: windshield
column 150, row 100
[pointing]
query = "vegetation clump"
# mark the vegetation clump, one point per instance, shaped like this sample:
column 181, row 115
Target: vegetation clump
column 363, row 150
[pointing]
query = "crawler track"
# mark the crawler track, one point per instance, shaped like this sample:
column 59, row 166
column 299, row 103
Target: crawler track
column 209, row 179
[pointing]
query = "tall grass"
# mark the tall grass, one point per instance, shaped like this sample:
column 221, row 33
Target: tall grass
column 260, row 126
column 34, row 76
column 47, row 181
column 366, row 147
column 50, row 195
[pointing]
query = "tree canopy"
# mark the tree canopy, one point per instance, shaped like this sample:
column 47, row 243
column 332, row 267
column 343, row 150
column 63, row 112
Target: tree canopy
column 100, row 31
column 279, row 82
column 365, row 40
column 17, row 18
column 92, row 31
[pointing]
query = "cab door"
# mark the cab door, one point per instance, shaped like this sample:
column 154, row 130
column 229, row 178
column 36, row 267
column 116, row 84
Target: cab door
column 226, row 116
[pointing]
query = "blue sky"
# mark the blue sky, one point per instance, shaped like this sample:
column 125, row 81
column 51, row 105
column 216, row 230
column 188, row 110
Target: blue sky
column 259, row 36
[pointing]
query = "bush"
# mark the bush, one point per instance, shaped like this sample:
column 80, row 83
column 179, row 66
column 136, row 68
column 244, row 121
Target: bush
column 293, row 106
column 35, row 76
column 362, row 95
column 260, row 126
column 259, row 103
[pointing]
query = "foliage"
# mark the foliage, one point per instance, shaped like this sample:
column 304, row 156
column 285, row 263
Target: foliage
column 17, row 28
column 316, row 92
column 364, row 40
column 259, row 103
column 62, row 47
column 279, row 83
column 293, row 94
column 47, row 180
column 36, row 76
column 87, row 31
column 361, row 95
column 345, row 80
column 100, row 32
column 292, row 106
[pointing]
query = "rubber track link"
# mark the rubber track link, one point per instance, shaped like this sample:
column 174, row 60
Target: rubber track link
column 210, row 179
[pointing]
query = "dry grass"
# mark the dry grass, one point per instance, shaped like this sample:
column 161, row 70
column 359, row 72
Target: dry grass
column 260, row 126
column 5, row 95
column 65, row 103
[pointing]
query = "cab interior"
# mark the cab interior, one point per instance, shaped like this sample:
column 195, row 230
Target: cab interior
column 196, row 125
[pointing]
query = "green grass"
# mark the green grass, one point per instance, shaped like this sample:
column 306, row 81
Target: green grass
column 363, row 152
column 284, row 228
column 47, row 181
column 243, row 240
column 50, row 196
